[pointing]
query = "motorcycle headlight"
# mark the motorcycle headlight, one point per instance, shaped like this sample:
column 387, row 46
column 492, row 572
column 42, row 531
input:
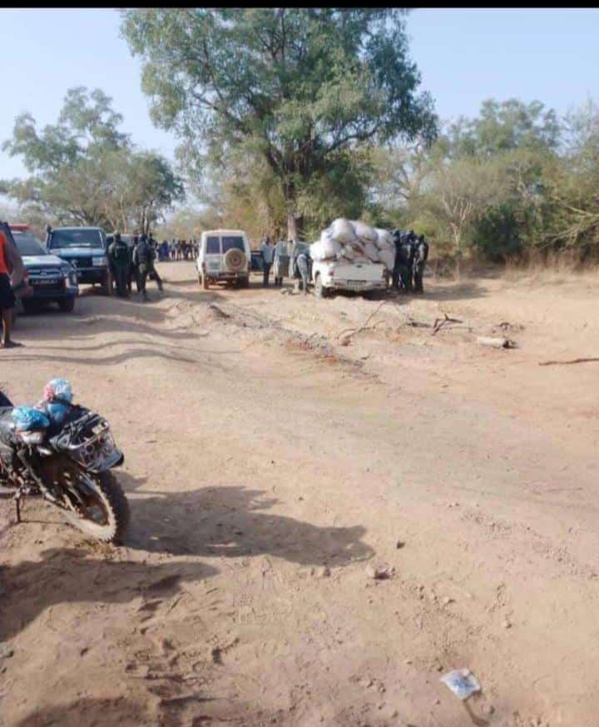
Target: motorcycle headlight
column 32, row 437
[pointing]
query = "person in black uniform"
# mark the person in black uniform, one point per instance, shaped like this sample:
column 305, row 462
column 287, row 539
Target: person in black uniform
column 420, row 258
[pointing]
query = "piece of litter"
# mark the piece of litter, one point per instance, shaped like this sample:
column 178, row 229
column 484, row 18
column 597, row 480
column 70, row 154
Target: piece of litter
column 380, row 572
column 462, row 683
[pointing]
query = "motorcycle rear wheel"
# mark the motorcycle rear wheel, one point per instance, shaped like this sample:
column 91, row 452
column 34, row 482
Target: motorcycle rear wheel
column 105, row 514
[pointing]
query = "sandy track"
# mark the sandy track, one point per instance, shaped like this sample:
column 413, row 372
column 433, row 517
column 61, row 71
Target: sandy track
column 267, row 464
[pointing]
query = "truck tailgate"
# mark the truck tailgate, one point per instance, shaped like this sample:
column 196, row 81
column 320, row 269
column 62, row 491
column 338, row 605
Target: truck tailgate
column 359, row 272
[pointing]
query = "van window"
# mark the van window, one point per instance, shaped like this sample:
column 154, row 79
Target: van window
column 212, row 246
column 232, row 242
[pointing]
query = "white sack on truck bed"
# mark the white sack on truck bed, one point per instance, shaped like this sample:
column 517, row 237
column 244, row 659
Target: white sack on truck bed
column 387, row 257
column 347, row 252
column 341, row 230
column 325, row 249
column 372, row 252
column 364, row 232
column 384, row 239
column 355, row 241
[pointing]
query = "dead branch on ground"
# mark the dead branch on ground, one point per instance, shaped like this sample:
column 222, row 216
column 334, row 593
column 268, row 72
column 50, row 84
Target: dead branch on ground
column 568, row 363
column 440, row 322
column 347, row 333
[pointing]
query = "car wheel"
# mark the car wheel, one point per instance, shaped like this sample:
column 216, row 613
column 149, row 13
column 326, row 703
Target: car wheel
column 66, row 305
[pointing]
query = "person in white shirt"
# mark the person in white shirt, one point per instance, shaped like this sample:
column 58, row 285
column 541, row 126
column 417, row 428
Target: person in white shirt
column 267, row 255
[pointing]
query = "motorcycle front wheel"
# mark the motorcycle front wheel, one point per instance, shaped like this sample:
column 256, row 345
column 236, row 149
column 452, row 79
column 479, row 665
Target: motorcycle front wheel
column 103, row 511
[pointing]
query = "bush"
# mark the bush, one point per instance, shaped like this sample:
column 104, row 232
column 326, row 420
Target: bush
column 497, row 234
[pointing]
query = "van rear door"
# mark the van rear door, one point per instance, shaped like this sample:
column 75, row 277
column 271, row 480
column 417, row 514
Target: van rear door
column 213, row 256
column 236, row 242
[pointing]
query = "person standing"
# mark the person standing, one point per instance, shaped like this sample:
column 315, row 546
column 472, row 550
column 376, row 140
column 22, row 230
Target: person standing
column 143, row 258
column 420, row 258
column 120, row 260
column 11, row 275
column 396, row 277
column 153, row 274
column 133, row 269
column 279, row 251
column 304, row 265
column 267, row 253
column 406, row 260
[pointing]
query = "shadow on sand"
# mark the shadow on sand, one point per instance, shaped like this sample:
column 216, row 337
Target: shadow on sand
column 231, row 522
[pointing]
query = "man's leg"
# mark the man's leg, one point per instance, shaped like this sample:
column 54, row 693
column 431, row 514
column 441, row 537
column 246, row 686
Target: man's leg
column 305, row 282
column 6, row 326
column 157, row 278
column 142, row 275
column 266, row 274
column 406, row 278
column 418, row 279
column 121, row 283
column 7, row 304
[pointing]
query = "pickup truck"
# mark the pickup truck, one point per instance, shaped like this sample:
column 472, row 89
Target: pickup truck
column 357, row 277
column 85, row 248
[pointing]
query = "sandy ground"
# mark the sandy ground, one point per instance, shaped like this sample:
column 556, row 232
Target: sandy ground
column 273, row 455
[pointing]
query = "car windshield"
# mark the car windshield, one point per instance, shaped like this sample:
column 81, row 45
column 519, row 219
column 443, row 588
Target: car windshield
column 75, row 238
column 28, row 244
column 232, row 242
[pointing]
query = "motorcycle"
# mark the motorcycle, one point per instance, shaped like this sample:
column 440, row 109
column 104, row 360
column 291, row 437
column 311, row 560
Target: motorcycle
column 68, row 465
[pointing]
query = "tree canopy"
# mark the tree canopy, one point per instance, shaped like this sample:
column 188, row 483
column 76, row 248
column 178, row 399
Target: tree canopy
column 300, row 88
column 84, row 170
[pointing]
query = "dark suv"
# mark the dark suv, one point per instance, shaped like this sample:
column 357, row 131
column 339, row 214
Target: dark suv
column 85, row 249
column 51, row 279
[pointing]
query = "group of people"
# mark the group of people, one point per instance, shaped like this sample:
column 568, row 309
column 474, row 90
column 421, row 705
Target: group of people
column 272, row 257
column 133, row 263
column 411, row 254
column 178, row 250
column 275, row 257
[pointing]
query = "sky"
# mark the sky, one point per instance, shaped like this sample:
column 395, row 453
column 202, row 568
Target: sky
column 464, row 55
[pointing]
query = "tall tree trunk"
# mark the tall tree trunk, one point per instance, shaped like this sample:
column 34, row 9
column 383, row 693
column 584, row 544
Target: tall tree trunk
column 457, row 237
column 294, row 221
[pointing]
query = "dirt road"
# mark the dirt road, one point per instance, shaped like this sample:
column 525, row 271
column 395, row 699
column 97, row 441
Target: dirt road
column 276, row 448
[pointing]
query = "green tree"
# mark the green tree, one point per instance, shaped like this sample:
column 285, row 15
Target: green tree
column 298, row 87
column 85, row 171
column 504, row 127
column 457, row 194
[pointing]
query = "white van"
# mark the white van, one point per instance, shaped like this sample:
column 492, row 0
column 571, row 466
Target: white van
column 224, row 255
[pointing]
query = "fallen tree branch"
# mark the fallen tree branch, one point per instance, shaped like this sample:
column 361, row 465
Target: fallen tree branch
column 349, row 332
column 417, row 324
column 440, row 322
column 568, row 363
